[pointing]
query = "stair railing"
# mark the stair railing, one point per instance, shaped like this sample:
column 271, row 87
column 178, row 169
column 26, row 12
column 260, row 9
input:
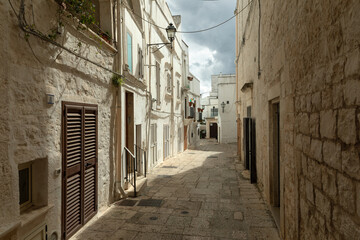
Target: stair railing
column 130, row 166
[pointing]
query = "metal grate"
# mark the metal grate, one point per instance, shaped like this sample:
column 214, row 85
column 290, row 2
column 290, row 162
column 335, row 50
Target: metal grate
column 164, row 176
column 127, row 202
column 169, row 167
column 150, row 202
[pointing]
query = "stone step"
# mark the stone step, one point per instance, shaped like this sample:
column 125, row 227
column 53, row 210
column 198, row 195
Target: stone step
column 141, row 183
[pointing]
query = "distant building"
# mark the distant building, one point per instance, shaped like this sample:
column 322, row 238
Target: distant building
column 226, row 87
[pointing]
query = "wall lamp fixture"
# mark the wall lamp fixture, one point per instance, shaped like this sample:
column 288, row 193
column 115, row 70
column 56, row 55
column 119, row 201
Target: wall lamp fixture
column 170, row 31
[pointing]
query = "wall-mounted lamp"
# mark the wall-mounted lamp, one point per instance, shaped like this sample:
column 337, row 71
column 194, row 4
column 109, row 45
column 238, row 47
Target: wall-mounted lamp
column 50, row 98
column 223, row 106
column 170, row 31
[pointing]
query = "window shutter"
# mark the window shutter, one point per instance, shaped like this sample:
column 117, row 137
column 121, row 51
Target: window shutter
column 73, row 156
column 79, row 166
column 90, row 156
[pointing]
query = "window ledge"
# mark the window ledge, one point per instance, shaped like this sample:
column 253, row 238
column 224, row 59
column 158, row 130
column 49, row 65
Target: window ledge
column 8, row 228
column 91, row 35
column 33, row 213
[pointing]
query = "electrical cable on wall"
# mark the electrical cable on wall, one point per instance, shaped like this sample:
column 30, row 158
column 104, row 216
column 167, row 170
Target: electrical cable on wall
column 201, row 30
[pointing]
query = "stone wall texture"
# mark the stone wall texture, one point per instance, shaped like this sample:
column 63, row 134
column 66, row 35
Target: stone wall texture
column 30, row 129
column 310, row 61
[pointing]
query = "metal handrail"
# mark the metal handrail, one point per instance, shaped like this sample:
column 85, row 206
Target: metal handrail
column 132, row 164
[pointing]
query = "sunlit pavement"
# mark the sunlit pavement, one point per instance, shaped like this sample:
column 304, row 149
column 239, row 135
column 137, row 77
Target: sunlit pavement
column 199, row 194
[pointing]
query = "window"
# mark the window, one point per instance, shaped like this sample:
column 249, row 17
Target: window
column 25, row 186
column 214, row 112
column 129, row 52
column 178, row 89
column 168, row 83
column 192, row 112
column 140, row 63
column 157, row 83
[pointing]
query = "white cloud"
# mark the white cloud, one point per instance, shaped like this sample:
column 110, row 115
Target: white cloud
column 203, row 63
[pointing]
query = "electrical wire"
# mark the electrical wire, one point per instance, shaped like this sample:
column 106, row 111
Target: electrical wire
column 201, row 30
column 218, row 25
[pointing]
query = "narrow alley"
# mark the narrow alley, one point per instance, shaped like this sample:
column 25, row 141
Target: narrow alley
column 199, row 194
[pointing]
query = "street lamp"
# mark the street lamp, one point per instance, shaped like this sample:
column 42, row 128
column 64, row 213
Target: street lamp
column 170, row 31
column 223, row 106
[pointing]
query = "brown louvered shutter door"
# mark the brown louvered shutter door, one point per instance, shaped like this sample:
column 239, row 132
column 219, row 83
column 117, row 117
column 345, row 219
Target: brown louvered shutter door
column 72, row 180
column 79, row 188
column 90, row 156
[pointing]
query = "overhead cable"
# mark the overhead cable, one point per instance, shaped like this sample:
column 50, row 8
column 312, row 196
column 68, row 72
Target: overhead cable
column 202, row 30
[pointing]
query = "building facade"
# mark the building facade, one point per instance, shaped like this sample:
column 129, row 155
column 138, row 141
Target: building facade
column 77, row 98
column 297, row 108
column 227, row 108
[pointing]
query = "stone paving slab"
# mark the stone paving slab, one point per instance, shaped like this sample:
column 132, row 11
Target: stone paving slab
column 204, row 196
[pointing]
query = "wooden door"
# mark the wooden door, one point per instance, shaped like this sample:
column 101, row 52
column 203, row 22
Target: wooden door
column 166, row 140
column 129, row 143
column 185, row 138
column 79, row 166
column 138, row 153
column 213, row 130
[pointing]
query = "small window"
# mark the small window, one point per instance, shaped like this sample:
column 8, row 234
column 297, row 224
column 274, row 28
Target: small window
column 129, row 52
column 158, row 83
column 25, row 186
column 178, row 89
column 140, row 63
column 168, row 83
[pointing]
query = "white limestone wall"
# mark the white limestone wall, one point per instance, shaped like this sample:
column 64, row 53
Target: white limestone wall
column 227, row 119
column 30, row 128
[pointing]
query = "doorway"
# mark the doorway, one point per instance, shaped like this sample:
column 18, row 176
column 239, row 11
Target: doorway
column 129, row 128
column 153, row 144
column 138, row 152
column 213, row 130
column 275, row 159
column 185, row 138
column 79, row 166
column 166, row 141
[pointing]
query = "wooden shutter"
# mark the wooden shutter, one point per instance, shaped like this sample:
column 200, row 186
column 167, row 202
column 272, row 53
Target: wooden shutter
column 79, row 183
column 90, row 156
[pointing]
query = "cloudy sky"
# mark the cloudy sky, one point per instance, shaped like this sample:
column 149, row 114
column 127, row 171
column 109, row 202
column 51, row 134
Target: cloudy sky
column 213, row 51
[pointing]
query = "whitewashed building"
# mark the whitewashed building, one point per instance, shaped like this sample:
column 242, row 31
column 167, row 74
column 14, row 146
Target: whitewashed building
column 192, row 108
column 227, row 108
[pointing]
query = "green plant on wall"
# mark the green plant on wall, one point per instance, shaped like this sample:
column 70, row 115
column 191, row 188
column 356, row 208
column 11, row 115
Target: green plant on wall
column 117, row 80
column 84, row 10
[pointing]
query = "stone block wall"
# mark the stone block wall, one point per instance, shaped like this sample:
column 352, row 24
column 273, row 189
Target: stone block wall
column 311, row 50
column 30, row 129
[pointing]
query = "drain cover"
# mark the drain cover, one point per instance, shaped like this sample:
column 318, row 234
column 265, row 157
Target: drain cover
column 153, row 218
column 150, row 202
column 127, row 202
column 169, row 167
column 164, row 176
column 184, row 212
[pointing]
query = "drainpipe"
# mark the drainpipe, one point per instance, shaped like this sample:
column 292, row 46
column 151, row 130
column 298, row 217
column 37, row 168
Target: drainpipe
column 150, row 96
column 119, row 191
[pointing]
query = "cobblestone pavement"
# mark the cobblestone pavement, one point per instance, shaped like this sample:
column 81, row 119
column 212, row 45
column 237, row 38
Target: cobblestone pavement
column 203, row 196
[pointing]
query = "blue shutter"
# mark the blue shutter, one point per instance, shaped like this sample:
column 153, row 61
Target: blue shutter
column 129, row 51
